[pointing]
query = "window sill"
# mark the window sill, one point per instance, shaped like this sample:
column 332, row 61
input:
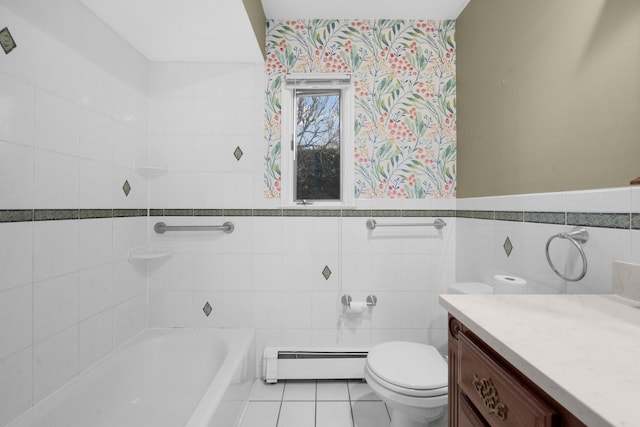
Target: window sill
column 318, row 205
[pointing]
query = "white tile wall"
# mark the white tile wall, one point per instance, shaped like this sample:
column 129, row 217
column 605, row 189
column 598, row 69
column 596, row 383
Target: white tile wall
column 55, row 305
column 16, row 386
column 16, row 254
column 55, row 361
column 272, row 266
column 480, row 254
column 16, row 326
column 16, row 176
column 73, row 125
column 82, row 109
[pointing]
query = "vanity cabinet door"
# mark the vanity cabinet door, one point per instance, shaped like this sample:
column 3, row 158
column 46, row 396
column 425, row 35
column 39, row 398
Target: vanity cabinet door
column 499, row 397
column 467, row 415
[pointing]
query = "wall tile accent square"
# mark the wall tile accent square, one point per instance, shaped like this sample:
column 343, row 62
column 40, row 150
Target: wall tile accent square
column 207, row 309
column 126, row 188
column 238, row 153
column 7, row 41
column 326, row 272
column 508, row 246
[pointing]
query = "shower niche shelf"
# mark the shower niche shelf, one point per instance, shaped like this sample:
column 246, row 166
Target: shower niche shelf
column 151, row 169
column 145, row 253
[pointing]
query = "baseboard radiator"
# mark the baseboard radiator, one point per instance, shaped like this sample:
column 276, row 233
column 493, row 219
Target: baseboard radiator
column 281, row 363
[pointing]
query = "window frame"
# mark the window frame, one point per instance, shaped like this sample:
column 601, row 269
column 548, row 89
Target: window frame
column 317, row 81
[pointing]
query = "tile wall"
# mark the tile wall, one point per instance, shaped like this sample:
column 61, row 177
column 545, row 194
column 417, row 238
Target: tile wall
column 268, row 274
column 73, row 119
column 80, row 109
column 611, row 216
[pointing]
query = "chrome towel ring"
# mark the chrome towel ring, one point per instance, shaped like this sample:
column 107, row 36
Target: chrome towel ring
column 576, row 237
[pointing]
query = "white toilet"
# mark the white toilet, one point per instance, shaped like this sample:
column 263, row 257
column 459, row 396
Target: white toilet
column 411, row 378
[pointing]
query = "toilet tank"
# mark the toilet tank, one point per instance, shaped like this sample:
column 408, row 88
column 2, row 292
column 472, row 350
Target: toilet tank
column 469, row 288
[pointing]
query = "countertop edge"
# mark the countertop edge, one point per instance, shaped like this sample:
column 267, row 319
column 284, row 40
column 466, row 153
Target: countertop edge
column 581, row 411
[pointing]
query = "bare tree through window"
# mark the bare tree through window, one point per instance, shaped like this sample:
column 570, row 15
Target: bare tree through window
column 317, row 142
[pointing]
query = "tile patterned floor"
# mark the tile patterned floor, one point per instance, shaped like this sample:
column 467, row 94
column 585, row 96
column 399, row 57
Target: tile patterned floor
column 314, row 404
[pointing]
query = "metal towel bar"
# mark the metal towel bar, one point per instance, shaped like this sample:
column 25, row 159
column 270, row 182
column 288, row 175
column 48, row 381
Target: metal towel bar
column 576, row 236
column 161, row 227
column 438, row 224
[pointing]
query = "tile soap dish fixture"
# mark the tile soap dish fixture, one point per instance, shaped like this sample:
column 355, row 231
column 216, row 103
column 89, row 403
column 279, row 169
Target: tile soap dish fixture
column 149, row 253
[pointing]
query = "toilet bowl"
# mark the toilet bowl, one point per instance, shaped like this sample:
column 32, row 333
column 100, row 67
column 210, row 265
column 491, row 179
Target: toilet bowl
column 411, row 378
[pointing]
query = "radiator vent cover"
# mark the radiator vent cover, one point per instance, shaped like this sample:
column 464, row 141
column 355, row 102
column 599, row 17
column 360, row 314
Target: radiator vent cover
column 307, row 364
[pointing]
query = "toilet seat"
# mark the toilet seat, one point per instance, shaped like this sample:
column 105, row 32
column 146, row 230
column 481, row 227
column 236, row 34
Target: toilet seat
column 408, row 368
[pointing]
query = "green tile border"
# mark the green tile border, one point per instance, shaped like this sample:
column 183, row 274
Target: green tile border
column 16, row 215
column 129, row 213
column 386, row 213
column 605, row 220
column 238, row 212
column 464, row 214
column 357, row 213
column 208, row 212
column 297, row 212
column 267, row 212
column 415, row 213
column 327, row 213
column 491, row 215
column 55, row 214
column 514, row 216
column 95, row 213
column 587, row 219
column 177, row 212
column 558, row 218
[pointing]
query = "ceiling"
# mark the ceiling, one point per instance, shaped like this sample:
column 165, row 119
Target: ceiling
column 221, row 31
column 363, row 9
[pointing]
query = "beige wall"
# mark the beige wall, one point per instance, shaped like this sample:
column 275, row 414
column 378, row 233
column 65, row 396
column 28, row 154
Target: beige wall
column 548, row 95
column 257, row 18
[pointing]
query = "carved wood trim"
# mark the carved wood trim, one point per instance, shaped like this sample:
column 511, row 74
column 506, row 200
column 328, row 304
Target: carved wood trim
column 489, row 396
column 454, row 327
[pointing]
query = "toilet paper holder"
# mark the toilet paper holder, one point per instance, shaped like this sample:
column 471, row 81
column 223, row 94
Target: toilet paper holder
column 371, row 300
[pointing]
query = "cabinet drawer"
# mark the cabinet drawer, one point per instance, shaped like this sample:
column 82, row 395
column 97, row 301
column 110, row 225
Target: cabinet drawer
column 498, row 396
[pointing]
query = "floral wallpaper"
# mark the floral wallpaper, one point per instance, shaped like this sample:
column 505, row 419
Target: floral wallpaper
column 405, row 99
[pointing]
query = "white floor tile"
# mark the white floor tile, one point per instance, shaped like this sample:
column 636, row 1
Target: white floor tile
column 300, row 390
column 333, row 414
column 264, row 391
column 332, row 390
column 297, row 414
column 360, row 390
column 261, row 414
column 370, row 414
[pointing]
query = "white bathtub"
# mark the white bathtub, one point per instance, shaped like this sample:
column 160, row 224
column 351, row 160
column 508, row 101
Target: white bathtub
column 161, row 378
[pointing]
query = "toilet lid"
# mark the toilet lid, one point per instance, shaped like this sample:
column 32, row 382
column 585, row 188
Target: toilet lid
column 409, row 365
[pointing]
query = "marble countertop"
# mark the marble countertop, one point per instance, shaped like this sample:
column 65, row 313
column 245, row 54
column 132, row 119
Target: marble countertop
column 583, row 350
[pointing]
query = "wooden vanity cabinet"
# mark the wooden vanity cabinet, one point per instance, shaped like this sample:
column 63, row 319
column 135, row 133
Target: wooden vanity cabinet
column 486, row 391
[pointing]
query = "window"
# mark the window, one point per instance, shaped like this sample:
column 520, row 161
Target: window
column 317, row 140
